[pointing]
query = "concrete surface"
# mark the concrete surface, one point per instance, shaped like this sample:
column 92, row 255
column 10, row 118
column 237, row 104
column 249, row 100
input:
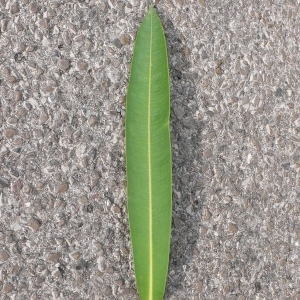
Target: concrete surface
column 235, row 136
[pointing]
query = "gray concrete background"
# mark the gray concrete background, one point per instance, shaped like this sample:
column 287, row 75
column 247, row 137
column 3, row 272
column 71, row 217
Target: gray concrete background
column 234, row 69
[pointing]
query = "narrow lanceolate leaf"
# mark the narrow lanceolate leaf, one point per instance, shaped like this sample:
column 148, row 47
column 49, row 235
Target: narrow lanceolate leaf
column 148, row 158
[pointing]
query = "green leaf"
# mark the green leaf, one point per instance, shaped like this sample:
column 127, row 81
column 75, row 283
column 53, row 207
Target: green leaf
column 148, row 158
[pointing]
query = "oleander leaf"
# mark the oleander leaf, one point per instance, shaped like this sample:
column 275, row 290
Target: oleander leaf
column 148, row 158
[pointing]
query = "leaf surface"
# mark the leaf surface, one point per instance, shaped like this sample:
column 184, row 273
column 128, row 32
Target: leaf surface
column 148, row 158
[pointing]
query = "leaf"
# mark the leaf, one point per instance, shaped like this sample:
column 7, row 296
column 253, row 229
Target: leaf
column 148, row 158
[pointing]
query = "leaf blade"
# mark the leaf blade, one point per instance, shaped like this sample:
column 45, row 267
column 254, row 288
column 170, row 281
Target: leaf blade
column 148, row 158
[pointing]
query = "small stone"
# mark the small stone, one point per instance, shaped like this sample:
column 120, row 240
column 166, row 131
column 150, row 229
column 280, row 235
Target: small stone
column 12, row 79
column 195, row 250
column 227, row 199
column 7, row 288
column 199, row 286
column 64, row 64
column 282, row 262
column 210, row 113
column 30, row 48
column 102, row 6
column 33, row 7
column 62, row 188
column 79, row 279
column 56, row 273
column 207, row 153
column 82, row 65
column 51, row 12
column 60, row 222
column 14, row 8
column 177, row 222
column 128, row 8
column 5, row 24
column 125, row 39
column 203, row 230
column 117, row 43
column 78, row 38
column 53, row 257
column 177, row 3
column 44, row 23
column 85, row 162
column 286, row 165
column 98, row 273
column 187, row 52
column 189, row 209
column 75, row 255
column 226, row 289
column 47, row 89
column 95, row 179
column 55, row 4
column 219, row 96
column 43, row 117
column 64, row 117
column 4, row 182
column 15, row 270
column 124, row 250
column 278, row 92
column 232, row 228
column 125, row 291
column 55, row 30
column 16, row 186
column 66, row 38
column 245, row 71
column 10, row 132
column 17, row 96
column 179, row 112
column 84, row 199
column 116, row 209
column 19, row 47
column 88, row 45
column 34, row 224
column 3, row 255
column 219, row 71
column 92, row 120
column 34, row 297
column 26, row 189
column 296, row 157
column 10, row 239
column 17, row 142
column 98, row 245
column 19, row 27
column 120, row 282
column 39, row 185
column 233, row 100
column 270, row 226
column 22, row 112
column 5, row 42
column 202, row 3
column 107, row 290
column 39, row 280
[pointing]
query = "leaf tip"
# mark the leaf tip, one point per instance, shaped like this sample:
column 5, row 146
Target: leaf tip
column 152, row 8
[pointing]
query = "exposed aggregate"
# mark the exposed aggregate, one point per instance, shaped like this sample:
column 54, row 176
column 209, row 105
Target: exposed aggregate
column 235, row 127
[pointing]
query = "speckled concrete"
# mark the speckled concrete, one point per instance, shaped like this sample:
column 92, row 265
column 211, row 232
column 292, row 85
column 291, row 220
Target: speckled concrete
column 234, row 69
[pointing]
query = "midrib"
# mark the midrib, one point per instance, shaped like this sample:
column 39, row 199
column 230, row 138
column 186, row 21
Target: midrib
column 149, row 172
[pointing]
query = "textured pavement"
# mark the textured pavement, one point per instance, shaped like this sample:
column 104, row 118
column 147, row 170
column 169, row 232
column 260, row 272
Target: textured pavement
column 235, row 127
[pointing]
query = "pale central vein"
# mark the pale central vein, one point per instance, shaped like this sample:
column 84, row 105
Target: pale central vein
column 150, row 175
